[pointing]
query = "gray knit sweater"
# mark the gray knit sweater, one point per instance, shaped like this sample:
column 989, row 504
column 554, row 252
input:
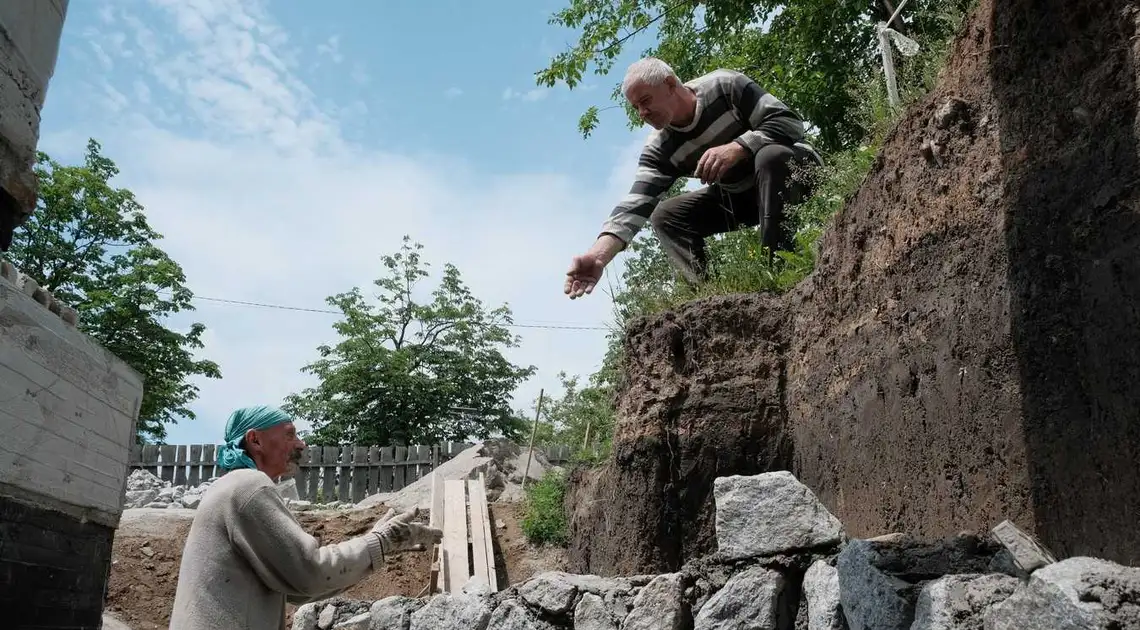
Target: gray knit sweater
column 247, row 555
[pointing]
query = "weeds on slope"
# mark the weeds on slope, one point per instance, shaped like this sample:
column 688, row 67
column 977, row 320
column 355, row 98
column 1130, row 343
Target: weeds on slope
column 544, row 519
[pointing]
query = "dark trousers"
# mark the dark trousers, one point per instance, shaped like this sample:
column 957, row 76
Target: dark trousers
column 683, row 222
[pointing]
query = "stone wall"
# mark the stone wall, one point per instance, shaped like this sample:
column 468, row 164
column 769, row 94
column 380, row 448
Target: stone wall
column 783, row 562
column 68, row 409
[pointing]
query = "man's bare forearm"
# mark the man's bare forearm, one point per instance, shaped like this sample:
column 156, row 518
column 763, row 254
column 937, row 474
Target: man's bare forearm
column 606, row 248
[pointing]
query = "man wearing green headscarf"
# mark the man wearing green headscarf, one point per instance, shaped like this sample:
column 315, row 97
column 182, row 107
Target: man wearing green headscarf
column 247, row 555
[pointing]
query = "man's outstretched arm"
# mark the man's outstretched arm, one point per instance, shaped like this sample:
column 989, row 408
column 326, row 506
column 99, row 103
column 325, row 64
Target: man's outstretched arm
column 624, row 222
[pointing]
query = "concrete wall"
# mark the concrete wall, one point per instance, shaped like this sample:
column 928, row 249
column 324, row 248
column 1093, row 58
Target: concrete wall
column 68, row 410
column 29, row 45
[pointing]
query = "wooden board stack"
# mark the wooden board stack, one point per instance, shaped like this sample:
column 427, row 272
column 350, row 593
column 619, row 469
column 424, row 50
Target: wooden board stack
column 459, row 508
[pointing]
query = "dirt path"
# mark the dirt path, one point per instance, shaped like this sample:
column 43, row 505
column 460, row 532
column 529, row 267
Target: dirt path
column 148, row 550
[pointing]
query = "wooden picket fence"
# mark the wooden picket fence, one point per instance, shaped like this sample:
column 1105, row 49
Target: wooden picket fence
column 327, row 473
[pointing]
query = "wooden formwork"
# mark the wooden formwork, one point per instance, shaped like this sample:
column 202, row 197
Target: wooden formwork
column 459, row 508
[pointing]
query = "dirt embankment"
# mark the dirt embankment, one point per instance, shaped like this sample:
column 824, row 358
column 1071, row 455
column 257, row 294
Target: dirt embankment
column 148, row 550
column 968, row 348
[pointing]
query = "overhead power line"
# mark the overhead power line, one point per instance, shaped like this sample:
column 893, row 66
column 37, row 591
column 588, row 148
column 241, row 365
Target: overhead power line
column 326, row 311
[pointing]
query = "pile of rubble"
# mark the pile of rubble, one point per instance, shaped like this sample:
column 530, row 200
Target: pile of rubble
column 784, row 563
column 503, row 464
column 145, row 490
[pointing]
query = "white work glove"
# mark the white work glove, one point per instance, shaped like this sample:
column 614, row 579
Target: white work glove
column 400, row 533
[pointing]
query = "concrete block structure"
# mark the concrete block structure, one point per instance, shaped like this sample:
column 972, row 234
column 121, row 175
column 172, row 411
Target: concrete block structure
column 68, row 410
column 29, row 44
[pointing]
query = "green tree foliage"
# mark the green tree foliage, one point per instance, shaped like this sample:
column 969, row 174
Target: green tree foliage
column 814, row 54
column 407, row 371
column 91, row 246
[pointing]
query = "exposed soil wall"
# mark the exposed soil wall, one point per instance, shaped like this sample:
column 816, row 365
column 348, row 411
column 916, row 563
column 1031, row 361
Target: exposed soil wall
column 968, row 349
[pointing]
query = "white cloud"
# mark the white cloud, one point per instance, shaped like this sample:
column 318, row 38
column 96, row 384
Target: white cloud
column 272, row 204
column 537, row 94
column 331, row 49
column 453, row 92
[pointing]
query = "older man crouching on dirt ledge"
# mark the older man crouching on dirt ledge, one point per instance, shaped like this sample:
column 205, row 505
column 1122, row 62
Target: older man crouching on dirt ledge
column 246, row 554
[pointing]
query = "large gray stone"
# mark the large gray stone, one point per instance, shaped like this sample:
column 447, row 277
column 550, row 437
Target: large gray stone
column 959, row 602
column 445, row 612
column 821, row 590
column 511, row 615
column 880, row 578
column 549, row 592
column 1074, row 594
column 872, row 599
column 768, row 514
column 591, row 613
column 750, row 599
column 360, row 621
column 658, row 606
column 393, row 613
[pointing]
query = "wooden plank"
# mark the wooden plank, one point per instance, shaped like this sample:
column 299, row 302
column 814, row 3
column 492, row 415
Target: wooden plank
column 314, row 469
column 208, row 462
column 302, row 475
column 166, row 454
column 373, row 469
column 435, row 519
column 482, row 560
column 328, row 464
column 387, row 466
column 344, row 474
column 150, row 458
column 422, row 463
column 359, row 472
column 195, row 476
column 180, row 463
column 399, row 472
column 455, row 533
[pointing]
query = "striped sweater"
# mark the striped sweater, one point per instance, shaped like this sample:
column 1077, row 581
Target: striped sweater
column 730, row 107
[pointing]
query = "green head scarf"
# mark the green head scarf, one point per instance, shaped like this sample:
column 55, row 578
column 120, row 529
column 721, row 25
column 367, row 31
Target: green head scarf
column 231, row 455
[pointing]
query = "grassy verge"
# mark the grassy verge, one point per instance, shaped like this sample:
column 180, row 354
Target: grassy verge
column 544, row 520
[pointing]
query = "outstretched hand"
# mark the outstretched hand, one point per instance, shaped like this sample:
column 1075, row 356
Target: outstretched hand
column 399, row 533
column 584, row 273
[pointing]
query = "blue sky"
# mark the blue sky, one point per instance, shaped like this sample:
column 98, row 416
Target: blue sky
column 282, row 148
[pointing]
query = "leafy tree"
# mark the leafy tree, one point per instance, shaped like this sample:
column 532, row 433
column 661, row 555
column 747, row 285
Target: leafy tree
column 813, row 54
column 412, row 372
column 91, row 246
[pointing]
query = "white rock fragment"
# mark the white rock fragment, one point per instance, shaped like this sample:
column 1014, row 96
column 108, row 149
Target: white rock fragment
column 821, row 589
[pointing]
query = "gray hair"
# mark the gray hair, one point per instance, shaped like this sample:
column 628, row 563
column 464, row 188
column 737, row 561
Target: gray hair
column 650, row 71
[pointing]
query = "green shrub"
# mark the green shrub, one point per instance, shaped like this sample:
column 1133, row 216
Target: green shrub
column 544, row 520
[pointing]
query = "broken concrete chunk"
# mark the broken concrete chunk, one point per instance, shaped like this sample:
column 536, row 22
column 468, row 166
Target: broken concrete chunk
column 443, row 612
column 305, row 617
column 593, row 614
column 658, row 606
column 327, row 617
column 511, row 615
column 821, row 589
column 752, row 597
column 1074, row 594
column 768, row 514
column 1028, row 554
column 393, row 613
column 550, row 593
column 357, row 622
column 959, row 602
